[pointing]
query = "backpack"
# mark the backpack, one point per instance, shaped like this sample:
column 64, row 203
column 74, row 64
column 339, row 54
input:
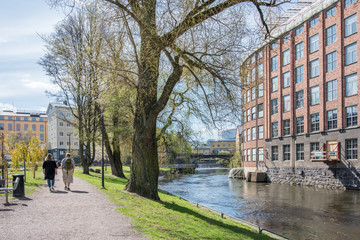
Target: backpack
column 68, row 164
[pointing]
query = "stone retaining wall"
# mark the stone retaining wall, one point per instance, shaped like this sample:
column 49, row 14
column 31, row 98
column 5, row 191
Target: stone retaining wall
column 329, row 178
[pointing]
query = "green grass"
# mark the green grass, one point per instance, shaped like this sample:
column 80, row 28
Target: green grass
column 170, row 218
column 31, row 184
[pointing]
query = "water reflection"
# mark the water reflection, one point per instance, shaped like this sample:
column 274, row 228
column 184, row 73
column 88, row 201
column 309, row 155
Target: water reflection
column 294, row 211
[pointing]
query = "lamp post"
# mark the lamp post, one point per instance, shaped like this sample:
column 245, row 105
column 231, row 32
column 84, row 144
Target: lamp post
column 69, row 134
column 102, row 152
column 2, row 156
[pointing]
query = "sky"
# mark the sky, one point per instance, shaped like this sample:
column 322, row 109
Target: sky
column 22, row 80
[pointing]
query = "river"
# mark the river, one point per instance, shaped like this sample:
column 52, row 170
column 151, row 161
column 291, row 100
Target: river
column 296, row 212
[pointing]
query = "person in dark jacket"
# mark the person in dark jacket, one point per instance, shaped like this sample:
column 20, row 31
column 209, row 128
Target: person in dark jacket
column 49, row 171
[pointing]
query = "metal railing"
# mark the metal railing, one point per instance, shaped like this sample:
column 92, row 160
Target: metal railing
column 259, row 229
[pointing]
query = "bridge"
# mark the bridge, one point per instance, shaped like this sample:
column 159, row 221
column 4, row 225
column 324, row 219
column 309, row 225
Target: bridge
column 211, row 156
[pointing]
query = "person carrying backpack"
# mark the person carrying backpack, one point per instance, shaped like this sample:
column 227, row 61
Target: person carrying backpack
column 68, row 167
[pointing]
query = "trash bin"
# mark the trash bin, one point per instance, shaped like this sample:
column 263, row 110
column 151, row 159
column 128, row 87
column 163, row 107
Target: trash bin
column 20, row 190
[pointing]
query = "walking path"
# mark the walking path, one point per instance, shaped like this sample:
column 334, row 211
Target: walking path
column 82, row 213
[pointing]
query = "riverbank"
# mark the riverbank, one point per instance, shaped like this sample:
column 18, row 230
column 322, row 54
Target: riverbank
column 170, row 218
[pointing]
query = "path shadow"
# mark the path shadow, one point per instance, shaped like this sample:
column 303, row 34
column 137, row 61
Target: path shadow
column 60, row 192
column 76, row 191
column 24, row 198
column 10, row 204
column 7, row 210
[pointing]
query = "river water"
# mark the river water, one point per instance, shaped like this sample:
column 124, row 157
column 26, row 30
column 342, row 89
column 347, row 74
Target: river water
column 296, row 212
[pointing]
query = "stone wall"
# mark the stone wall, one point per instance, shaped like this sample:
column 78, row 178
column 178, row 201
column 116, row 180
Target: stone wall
column 329, row 178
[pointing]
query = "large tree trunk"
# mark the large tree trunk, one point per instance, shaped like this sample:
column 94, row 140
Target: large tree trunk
column 144, row 165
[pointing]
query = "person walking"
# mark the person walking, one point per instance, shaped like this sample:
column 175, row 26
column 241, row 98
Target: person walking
column 68, row 167
column 49, row 171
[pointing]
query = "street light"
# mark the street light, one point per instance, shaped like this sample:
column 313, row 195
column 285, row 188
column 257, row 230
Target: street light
column 102, row 152
column 69, row 134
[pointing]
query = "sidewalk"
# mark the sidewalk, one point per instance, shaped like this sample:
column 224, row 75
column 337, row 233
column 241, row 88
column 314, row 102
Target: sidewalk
column 82, row 213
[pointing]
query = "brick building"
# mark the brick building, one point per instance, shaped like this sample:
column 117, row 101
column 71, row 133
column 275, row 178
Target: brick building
column 300, row 99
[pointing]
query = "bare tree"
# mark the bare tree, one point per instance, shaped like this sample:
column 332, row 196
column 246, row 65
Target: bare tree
column 198, row 41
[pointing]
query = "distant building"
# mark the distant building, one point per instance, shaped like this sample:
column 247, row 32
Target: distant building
column 218, row 146
column 25, row 124
column 62, row 135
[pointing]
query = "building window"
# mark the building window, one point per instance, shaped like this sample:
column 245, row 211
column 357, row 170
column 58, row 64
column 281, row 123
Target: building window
column 61, row 134
column 253, row 77
column 314, row 147
column 261, row 90
column 2, row 118
column 18, row 127
column 314, row 21
column 332, row 119
column 299, row 30
column 68, row 115
column 331, row 61
column 299, row 48
column 274, row 84
column 274, row 106
column 274, row 45
column 253, row 93
column 314, row 95
column 261, row 131
column 254, row 155
column 26, row 119
column 68, row 125
column 26, row 126
column 34, row 127
column 259, row 55
column 61, row 124
column 274, row 153
column 330, row 12
column 253, row 113
column 286, row 57
column 315, row 122
column 299, row 74
column 61, row 143
column 351, row 148
column 253, row 58
column 248, row 115
column 286, row 103
column 349, row 2
column 244, row 136
column 260, row 110
column 261, row 154
column 274, row 63
column 10, row 118
column 299, row 99
column 314, row 68
column 248, row 155
column 314, row 43
column 248, row 134
column 41, row 119
column 261, row 70
column 299, row 151
column 351, row 85
column 351, row 116
column 41, row 128
column 331, row 35
column 42, row 137
column 286, row 38
column 350, row 54
column 350, row 25
column 300, row 125
column 331, row 88
column 248, row 96
column 61, row 115
column 33, row 119
column 286, row 79
column 274, row 129
column 286, row 152
column 286, row 127
column 10, row 127
column 18, row 118
column 2, row 126
column 253, row 133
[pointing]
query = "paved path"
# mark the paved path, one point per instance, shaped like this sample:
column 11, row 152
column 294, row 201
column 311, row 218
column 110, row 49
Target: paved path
column 83, row 213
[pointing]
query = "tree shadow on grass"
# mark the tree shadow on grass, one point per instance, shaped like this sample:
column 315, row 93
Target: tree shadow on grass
column 211, row 221
column 110, row 179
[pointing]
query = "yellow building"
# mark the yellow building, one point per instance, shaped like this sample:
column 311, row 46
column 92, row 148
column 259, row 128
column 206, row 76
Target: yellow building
column 217, row 146
column 24, row 124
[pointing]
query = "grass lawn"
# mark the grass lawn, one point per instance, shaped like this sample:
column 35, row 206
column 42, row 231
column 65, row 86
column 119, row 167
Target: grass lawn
column 170, row 218
column 31, row 184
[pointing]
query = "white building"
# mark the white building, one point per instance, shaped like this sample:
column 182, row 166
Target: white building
column 62, row 136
